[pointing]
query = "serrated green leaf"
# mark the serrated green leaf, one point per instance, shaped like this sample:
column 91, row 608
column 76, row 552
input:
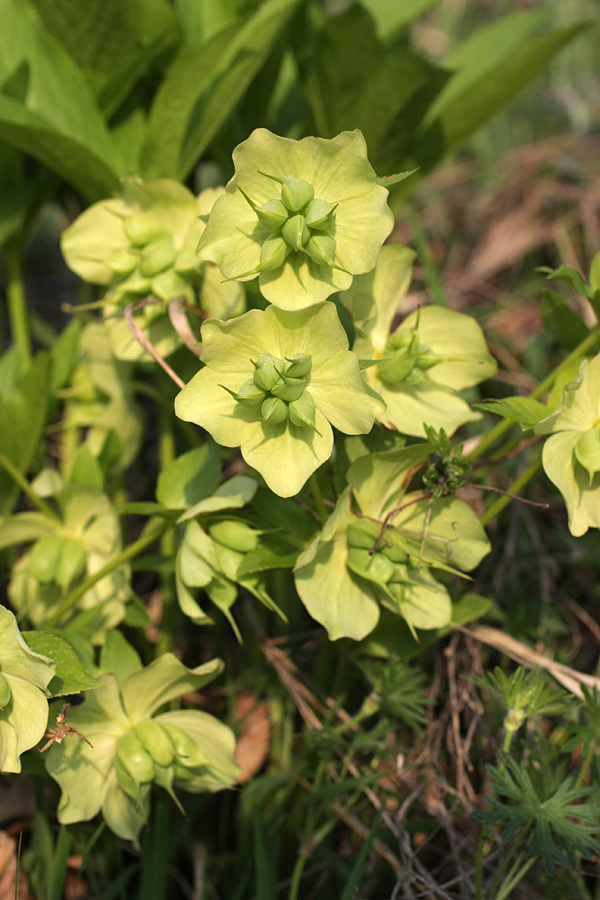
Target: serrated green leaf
column 201, row 88
column 525, row 411
column 388, row 180
column 71, row 677
column 561, row 321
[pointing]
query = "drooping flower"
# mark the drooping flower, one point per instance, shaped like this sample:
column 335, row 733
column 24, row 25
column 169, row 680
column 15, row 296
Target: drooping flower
column 571, row 456
column 274, row 383
column 432, row 355
column 305, row 216
column 141, row 246
column 130, row 746
column 24, row 677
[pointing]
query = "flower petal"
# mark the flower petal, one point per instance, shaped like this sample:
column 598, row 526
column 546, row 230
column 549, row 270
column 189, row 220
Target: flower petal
column 341, row 394
column 300, row 282
column 410, row 406
column 205, row 402
column 582, row 497
column 286, row 455
column 163, row 680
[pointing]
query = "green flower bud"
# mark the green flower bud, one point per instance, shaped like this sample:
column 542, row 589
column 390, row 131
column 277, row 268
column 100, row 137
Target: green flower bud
column 274, row 411
column 272, row 215
column 273, row 254
column 299, row 365
column 320, row 214
column 267, row 371
column 135, row 758
column 155, row 741
column 302, row 411
column 157, row 257
column 295, row 232
column 144, row 228
column 321, row 249
column 5, row 691
column 235, row 535
column 122, row 263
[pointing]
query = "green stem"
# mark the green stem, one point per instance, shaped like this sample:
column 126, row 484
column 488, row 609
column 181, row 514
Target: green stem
column 318, row 498
column 22, row 482
column 432, row 275
column 154, row 529
column 166, row 454
column 17, row 307
column 496, row 508
column 503, row 426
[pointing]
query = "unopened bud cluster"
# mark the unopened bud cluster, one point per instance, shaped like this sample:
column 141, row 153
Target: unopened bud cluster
column 278, row 389
column 296, row 222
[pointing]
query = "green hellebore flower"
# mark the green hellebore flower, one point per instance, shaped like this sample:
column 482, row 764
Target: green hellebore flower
column 142, row 245
column 434, row 353
column 24, row 678
column 352, row 568
column 314, row 203
column 571, row 456
column 285, row 452
column 132, row 746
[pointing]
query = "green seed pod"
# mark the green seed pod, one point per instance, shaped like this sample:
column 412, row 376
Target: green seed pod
column 396, row 548
column 363, row 534
column 295, row 232
column 5, row 691
column 266, row 371
column 234, row 534
column 296, row 193
column 320, row 214
column 273, row 254
column 157, row 257
column 250, row 394
column 187, row 753
column 397, row 368
column 155, row 741
column 144, row 228
column 272, row 215
column 321, row 249
column 298, row 366
column 135, row 758
column 289, row 390
column 376, row 568
column 125, row 781
column 302, row 411
column 123, row 263
column 274, row 411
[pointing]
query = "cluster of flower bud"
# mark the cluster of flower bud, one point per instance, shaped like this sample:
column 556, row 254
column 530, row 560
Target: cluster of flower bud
column 406, row 358
column 278, row 390
column 297, row 222
column 155, row 752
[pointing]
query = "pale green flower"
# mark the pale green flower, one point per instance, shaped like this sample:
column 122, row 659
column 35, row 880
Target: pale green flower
column 305, row 216
column 141, row 246
column 133, row 747
column 24, row 678
column 274, row 383
column 361, row 560
column 431, row 356
column 571, row 456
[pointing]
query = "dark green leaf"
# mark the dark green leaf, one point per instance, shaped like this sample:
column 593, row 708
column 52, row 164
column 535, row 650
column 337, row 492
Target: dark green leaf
column 189, row 478
column 71, row 675
column 561, row 321
column 569, row 276
column 525, row 411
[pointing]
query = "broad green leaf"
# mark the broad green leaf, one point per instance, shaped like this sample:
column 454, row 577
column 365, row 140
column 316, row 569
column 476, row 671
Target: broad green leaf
column 561, row 321
column 71, row 676
column 232, row 494
column 201, row 89
column 491, row 92
column 189, row 478
column 16, row 202
column 23, row 415
column 481, row 53
column 390, row 16
column 112, row 42
column 352, row 80
column 202, row 19
column 47, row 108
column 525, row 411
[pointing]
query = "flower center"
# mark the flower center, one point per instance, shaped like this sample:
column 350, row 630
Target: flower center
column 278, row 390
column 296, row 222
column 406, row 359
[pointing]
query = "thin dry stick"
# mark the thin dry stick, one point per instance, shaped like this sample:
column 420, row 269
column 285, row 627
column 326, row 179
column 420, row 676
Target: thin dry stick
column 143, row 341
column 182, row 326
